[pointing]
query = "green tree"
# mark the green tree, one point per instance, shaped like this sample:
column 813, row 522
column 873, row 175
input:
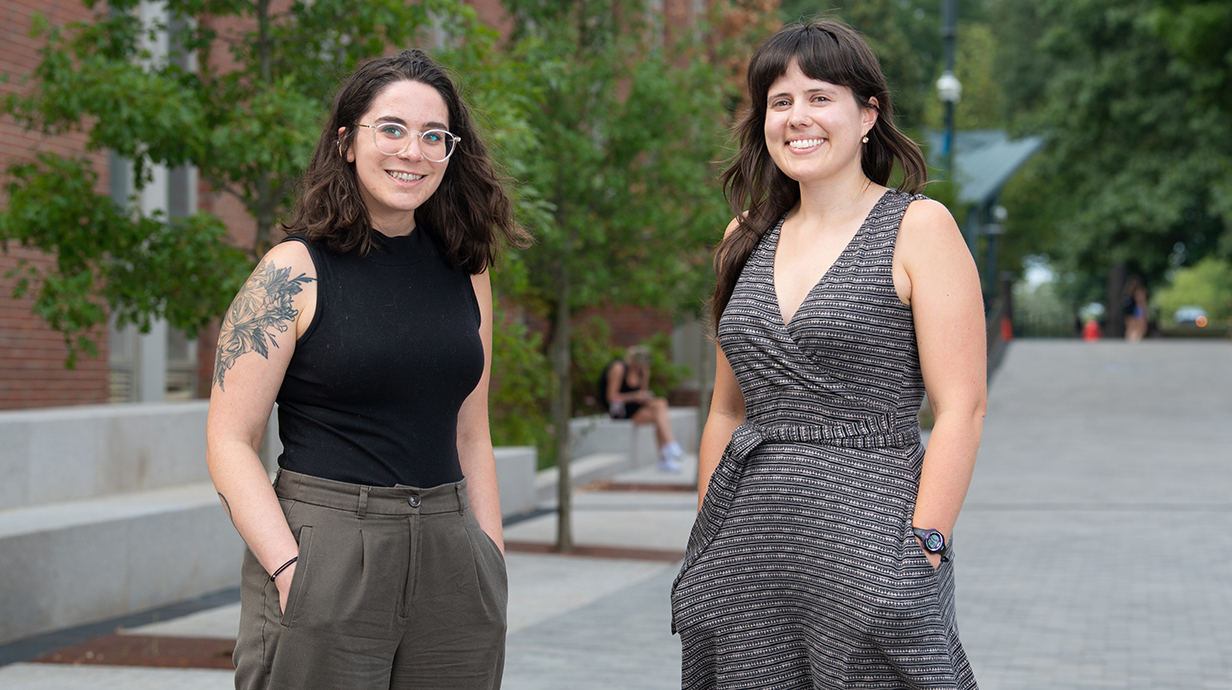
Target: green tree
column 1207, row 284
column 520, row 385
column 975, row 51
column 906, row 36
column 628, row 125
column 241, row 105
column 1133, row 99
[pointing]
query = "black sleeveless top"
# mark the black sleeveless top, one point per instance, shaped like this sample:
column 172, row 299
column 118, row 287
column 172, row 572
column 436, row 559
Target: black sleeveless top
column 372, row 393
column 624, row 382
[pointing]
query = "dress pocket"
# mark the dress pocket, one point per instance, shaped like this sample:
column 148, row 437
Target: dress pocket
column 915, row 558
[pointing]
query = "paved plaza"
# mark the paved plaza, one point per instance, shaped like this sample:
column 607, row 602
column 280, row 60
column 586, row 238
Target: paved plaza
column 1095, row 546
column 1094, row 551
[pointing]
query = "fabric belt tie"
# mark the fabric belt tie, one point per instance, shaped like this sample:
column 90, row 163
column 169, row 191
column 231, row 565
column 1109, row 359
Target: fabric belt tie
column 747, row 438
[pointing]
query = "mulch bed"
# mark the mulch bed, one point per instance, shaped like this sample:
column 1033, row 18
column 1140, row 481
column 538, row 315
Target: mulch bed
column 147, row 650
column 655, row 488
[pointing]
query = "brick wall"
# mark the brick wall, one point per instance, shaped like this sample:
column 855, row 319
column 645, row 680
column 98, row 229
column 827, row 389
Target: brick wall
column 631, row 325
column 32, row 372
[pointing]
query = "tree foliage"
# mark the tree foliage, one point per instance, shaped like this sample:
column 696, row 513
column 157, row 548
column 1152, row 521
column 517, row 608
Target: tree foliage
column 1132, row 96
column 181, row 269
column 629, row 120
column 906, row 37
column 239, row 95
column 1206, row 284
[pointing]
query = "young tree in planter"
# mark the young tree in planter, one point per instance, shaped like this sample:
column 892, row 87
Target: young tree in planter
column 629, row 129
column 239, row 97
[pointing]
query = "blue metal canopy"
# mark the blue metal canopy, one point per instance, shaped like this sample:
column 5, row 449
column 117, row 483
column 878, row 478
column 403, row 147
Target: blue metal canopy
column 984, row 160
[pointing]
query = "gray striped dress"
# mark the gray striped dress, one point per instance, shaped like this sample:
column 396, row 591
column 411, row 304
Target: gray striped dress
column 802, row 570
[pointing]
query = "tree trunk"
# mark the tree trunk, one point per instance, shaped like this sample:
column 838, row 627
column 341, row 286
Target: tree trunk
column 562, row 407
column 264, row 209
column 1114, row 319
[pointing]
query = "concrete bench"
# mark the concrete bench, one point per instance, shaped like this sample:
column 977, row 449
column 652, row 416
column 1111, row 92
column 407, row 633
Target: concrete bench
column 60, row 454
column 602, row 434
column 71, row 563
column 582, row 471
column 107, row 510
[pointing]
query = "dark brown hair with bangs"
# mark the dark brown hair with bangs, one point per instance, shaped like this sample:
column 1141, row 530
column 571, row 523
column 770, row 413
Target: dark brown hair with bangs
column 469, row 213
column 829, row 51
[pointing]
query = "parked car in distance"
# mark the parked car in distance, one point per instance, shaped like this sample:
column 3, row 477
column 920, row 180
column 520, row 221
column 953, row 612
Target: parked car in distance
column 1191, row 316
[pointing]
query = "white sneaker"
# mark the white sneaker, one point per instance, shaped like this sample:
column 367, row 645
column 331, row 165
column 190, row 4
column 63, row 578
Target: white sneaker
column 672, row 450
column 670, row 464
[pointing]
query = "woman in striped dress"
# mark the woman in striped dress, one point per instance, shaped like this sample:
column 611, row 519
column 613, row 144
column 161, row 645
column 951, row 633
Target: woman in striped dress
column 821, row 554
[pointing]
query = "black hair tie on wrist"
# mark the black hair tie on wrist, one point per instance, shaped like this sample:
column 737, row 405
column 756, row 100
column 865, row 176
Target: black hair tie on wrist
column 284, row 567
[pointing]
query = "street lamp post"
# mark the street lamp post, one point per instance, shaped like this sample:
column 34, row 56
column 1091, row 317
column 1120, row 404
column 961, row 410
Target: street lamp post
column 948, row 86
column 950, row 90
column 993, row 231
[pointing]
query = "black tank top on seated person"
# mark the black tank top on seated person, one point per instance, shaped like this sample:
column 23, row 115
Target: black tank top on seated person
column 372, row 393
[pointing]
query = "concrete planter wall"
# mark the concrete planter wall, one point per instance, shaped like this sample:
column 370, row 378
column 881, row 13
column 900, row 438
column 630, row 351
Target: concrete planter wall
column 106, row 510
column 62, row 454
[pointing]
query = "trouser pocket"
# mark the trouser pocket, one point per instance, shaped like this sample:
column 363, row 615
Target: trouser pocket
column 351, row 575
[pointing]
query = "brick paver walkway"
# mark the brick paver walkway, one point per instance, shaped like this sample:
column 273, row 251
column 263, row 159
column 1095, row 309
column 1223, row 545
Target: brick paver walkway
column 1094, row 551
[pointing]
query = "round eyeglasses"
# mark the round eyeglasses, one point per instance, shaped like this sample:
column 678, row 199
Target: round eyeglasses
column 391, row 139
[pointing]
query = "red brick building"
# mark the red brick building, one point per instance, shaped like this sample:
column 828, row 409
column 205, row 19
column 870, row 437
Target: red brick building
column 32, row 355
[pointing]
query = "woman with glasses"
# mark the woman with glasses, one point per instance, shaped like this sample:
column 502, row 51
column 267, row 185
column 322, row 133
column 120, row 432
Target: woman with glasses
column 375, row 560
column 821, row 554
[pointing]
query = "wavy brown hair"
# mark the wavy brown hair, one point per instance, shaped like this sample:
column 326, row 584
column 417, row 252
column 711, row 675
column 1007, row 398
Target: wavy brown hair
column 829, row 51
column 469, row 213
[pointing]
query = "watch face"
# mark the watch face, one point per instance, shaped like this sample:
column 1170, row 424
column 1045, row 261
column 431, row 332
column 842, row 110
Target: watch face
column 934, row 541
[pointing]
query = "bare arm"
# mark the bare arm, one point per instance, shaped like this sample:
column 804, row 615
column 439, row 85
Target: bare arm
column 474, row 435
column 615, row 374
column 944, row 293
column 255, row 344
column 726, row 413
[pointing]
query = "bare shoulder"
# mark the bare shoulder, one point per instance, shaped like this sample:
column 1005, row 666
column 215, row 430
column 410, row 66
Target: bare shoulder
column 928, row 228
column 281, row 275
column 293, row 256
column 926, row 215
column 735, row 223
column 482, row 282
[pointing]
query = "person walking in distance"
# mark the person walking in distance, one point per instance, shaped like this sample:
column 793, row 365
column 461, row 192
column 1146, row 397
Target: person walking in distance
column 376, row 559
column 822, row 553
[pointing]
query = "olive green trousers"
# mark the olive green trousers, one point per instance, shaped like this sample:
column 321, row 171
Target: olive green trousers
column 394, row 588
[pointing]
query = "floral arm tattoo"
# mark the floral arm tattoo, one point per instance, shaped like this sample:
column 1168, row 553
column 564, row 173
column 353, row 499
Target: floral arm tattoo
column 263, row 306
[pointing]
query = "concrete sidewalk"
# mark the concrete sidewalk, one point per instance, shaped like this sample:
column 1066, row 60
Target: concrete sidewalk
column 1094, row 551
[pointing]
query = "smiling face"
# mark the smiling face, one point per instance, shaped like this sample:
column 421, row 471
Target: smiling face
column 392, row 187
column 813, row 128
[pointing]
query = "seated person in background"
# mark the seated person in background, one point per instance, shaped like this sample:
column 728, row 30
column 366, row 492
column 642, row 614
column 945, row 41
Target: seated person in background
column 625, row 389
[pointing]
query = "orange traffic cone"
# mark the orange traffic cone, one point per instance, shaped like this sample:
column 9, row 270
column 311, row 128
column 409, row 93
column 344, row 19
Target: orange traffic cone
column 1090, row 331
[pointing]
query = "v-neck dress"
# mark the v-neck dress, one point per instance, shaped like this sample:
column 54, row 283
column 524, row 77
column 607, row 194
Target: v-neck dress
column 802, row 570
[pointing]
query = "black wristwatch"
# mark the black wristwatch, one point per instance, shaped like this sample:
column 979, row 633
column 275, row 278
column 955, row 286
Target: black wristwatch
column 932, row 540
